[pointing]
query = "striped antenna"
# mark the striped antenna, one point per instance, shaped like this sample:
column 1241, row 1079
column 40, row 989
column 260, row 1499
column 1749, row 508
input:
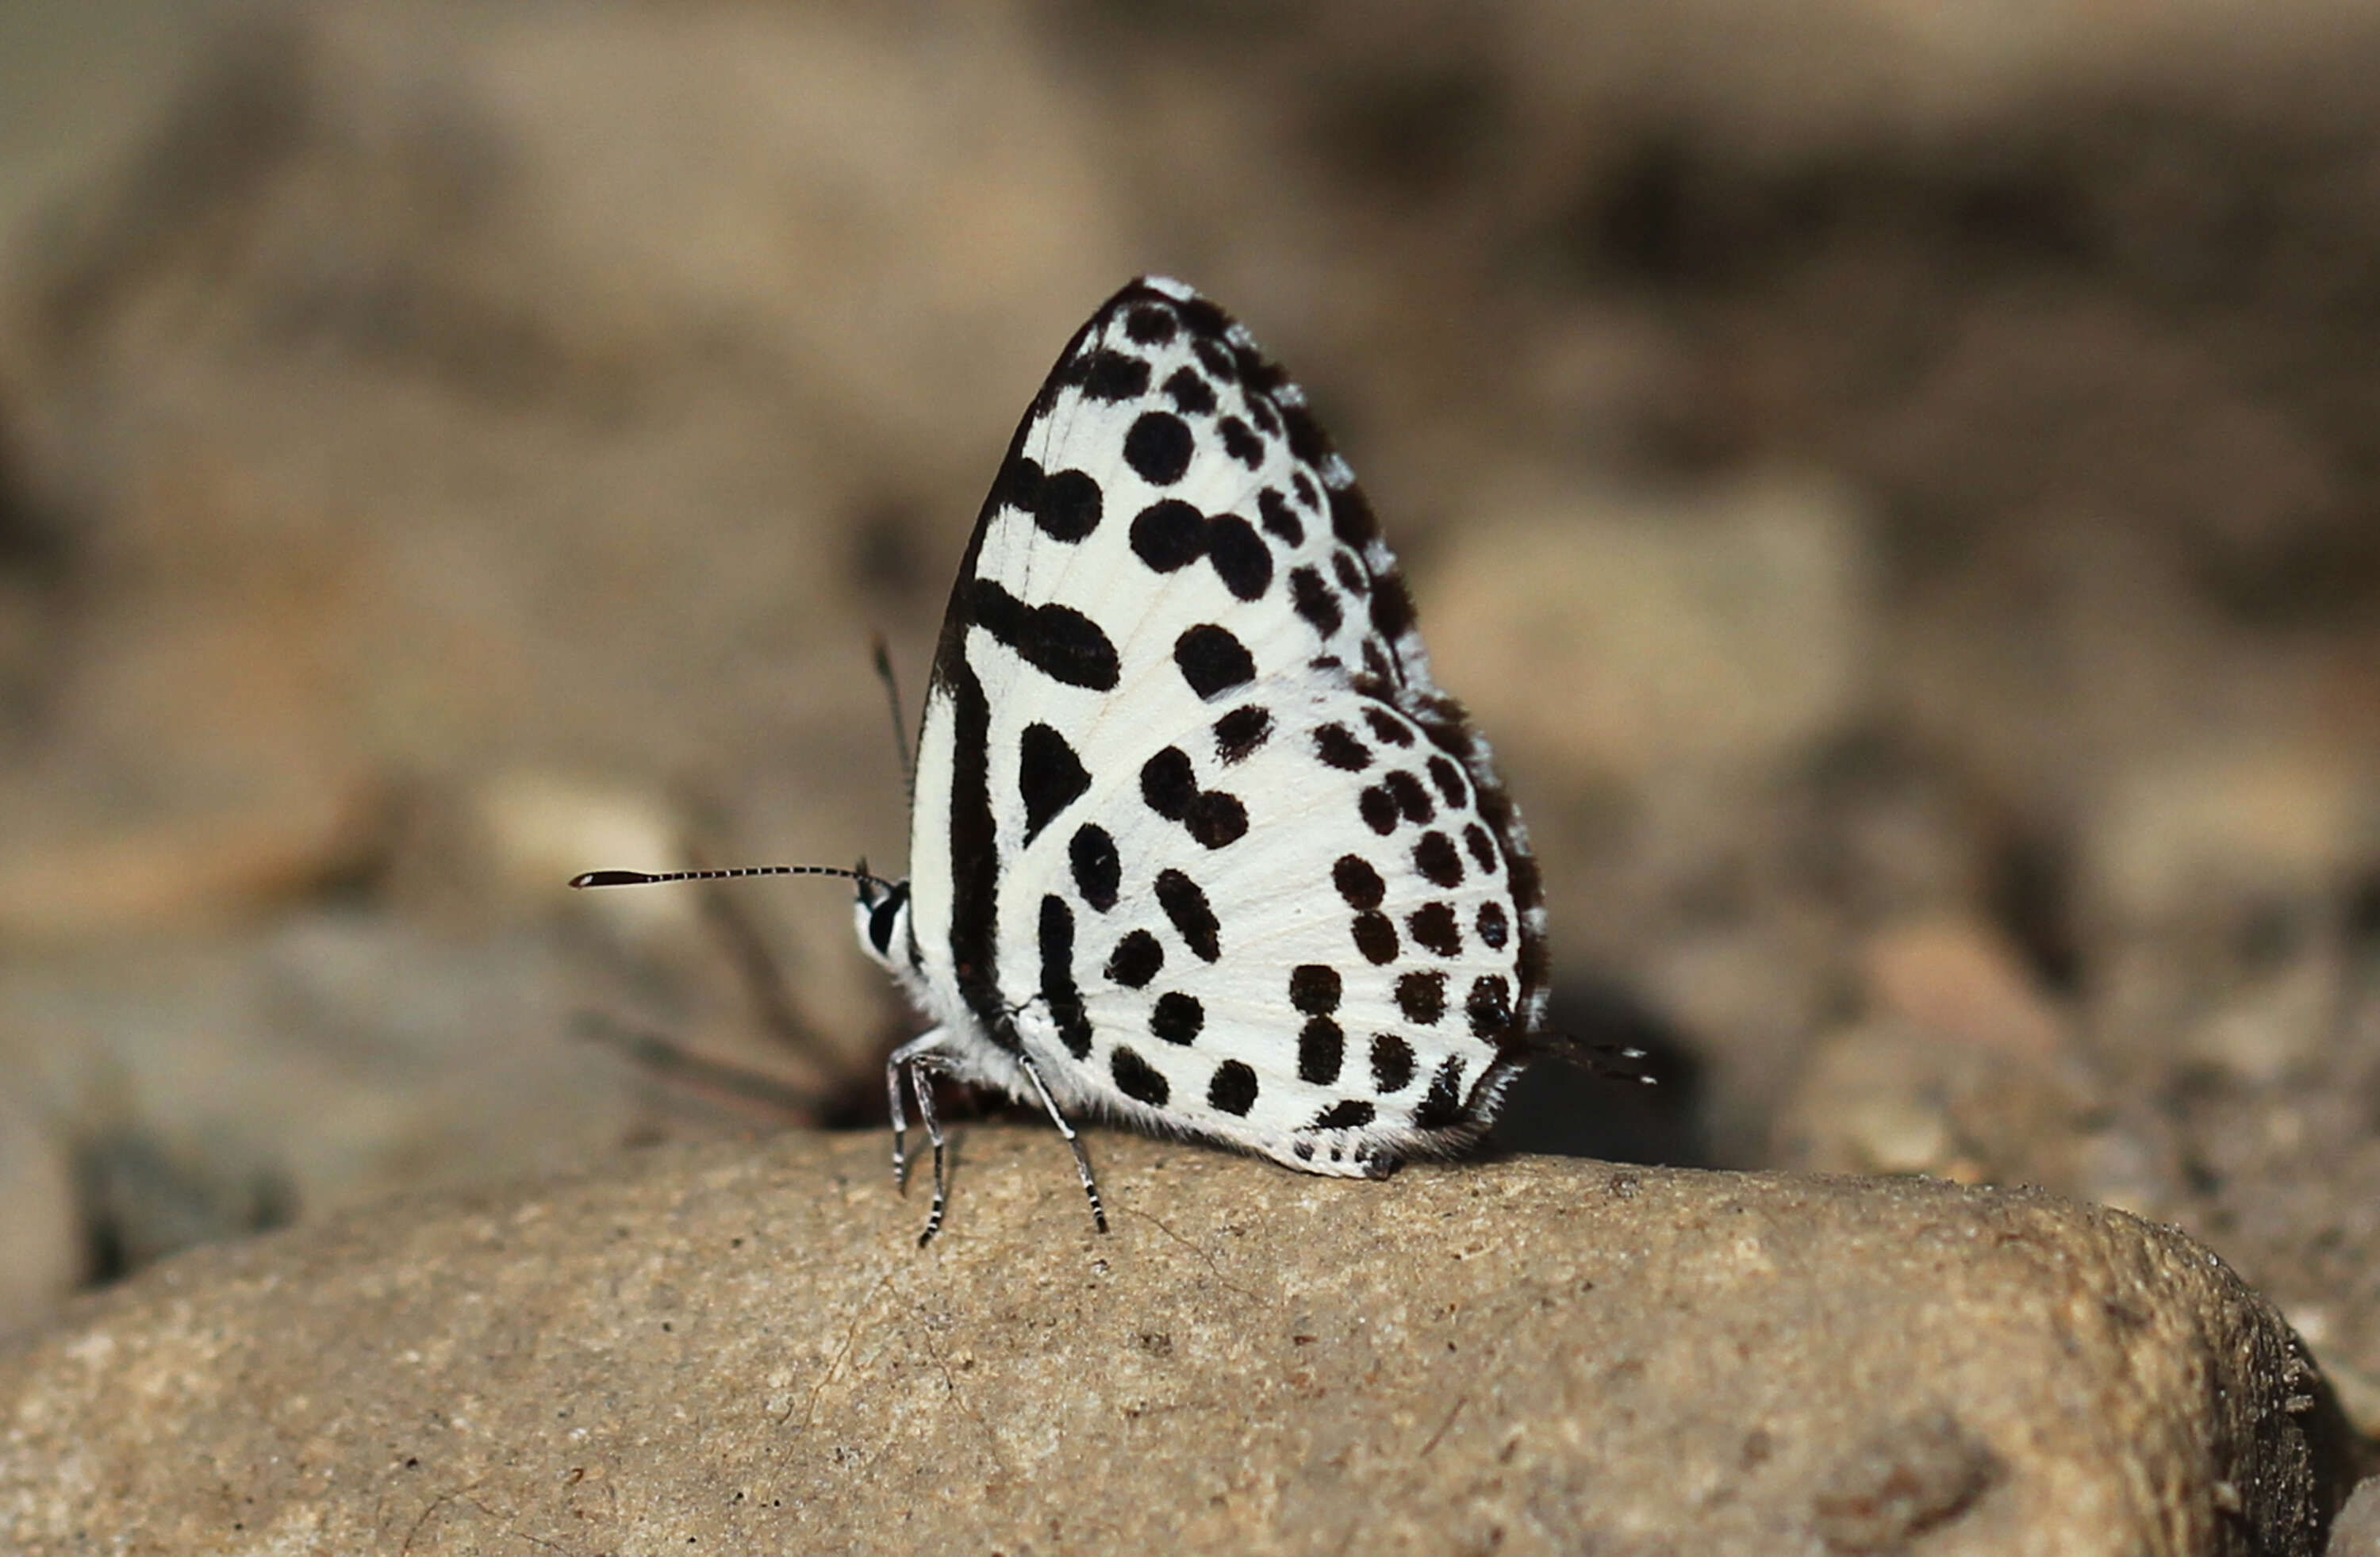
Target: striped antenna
column 647, row 878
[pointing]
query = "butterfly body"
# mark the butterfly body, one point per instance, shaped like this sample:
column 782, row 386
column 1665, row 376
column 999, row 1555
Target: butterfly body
column 1196, row 844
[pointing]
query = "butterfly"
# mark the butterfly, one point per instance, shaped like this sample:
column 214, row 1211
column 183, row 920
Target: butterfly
column 1196, row 844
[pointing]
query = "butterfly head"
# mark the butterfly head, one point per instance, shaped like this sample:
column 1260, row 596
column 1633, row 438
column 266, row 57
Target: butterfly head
column 880, row 915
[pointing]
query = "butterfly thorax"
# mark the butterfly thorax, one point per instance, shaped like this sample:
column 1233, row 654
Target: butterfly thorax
column 965, row 1048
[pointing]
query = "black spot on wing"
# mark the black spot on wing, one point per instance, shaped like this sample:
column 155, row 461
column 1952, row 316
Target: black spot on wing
column 1151, row 324
column 1392, row 1063
column 1241, row 442
column 1240, row 732
column 1137, row 1078
column 1422, row 997
column 1314, row 601
column 1049, row 776
column 1379, row 808
column 1169, row 535
column 1058, row 641
column 1137, row 958
column 1274, row 511
column 1190, row 393
column 1438, row 860
column 1158, row 447
column 1242, row 559
column 1441, row 1108
column 1314, row 988
column 1375, row 939
column 1322, row 1050
column 1489, row 1007
column 1349, row 1114
column 1066, row 506
column 1357, row 882
column 1217, row 819
column 1339, row 749
column 1112, row 375
column 1099, row 871
column 1483, row 848
column 1234, row 1090
column 1058, row 990
column 1433, row 925
column 1169, row 785
column 1351, row 573
column 1412, row 799
column 1185, row 903
column 1018, row 485
column 1449, row 780
column 1389, row 727
column 1494, row 930
column 1177, row 1018
column 1213, row 660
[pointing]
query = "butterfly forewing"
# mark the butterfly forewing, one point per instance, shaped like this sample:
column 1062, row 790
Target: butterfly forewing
column 1194, row 830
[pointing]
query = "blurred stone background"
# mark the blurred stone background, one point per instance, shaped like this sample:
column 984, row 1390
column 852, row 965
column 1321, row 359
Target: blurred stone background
column 1900, row 484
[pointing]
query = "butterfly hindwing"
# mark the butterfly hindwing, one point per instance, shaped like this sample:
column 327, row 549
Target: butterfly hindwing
column 1194, row 833
column 1331, row 987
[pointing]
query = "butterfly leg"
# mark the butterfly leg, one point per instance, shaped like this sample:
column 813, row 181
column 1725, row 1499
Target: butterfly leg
column 912, row 1059
column 1082, row 1159
column 919, row 1060
column 922, row 1070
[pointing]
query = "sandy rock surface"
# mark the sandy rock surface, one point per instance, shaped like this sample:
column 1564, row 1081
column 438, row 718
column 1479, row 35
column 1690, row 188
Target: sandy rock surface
column 741, row 1350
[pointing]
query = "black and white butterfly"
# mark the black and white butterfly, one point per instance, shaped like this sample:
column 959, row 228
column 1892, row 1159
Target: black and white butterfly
column 1197, row 845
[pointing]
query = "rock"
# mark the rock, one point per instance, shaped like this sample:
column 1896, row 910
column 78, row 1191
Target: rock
column 2275, row 1022
column 42, row 1239
column 1725, row 634
column 2357, row 1533
column 1913, row 1478
column 2198, row 829
column 1888, row 1096
column 214, row 1086
column 1959, row 978
column 1964, row 1068
column 76, row 868
column 742, row 1349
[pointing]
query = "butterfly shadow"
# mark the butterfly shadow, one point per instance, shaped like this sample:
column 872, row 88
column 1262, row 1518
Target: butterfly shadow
column 1588, row 1109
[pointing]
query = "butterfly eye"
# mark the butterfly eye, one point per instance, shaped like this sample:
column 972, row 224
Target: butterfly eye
column 885, row 918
